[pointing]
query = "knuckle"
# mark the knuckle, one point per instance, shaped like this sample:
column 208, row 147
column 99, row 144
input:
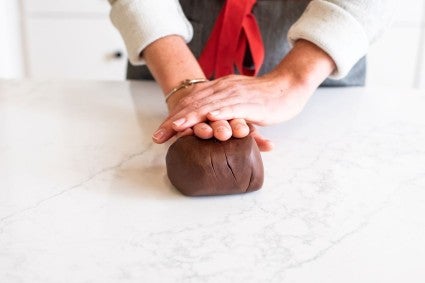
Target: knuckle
column 230, row 77
column 230, row 110
column 219, row 85
column 225, row 124
column 239, row 121
column 223, row 83
column 182, row 103
column 195, row 105
column 238, row 90
column 195, row 116
column 216, row 103
column 187, row 100
column 191, row 115
column 233, row 88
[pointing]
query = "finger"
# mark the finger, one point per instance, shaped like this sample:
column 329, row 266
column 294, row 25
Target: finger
column 239, row 128
column 194, row 99
column 252, row 112
column 204, row 94
column 163, row 134
column 262, row 143
column 203, row 131
column 166, row 129
column 187, row 132
column 197, row 112
column 193, row 109
column 222, row 130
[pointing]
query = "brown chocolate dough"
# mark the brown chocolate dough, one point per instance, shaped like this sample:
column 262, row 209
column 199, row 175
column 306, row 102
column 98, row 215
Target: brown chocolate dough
column 199, row 167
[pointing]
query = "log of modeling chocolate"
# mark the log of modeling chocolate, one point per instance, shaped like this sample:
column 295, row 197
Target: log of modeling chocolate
column 199, row 167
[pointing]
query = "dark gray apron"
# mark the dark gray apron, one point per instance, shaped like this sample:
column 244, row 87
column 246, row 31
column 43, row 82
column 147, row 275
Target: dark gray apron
column 274, row 17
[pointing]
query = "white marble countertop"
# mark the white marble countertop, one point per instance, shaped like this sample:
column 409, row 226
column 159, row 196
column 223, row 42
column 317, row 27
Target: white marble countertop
column 84, row 196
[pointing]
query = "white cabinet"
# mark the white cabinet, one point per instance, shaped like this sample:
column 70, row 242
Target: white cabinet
column 72, row 40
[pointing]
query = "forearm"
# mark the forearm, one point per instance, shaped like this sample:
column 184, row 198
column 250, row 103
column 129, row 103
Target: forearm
column 170, row 61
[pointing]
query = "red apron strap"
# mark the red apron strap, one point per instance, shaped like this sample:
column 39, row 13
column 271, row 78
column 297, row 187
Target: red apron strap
column 235, row 29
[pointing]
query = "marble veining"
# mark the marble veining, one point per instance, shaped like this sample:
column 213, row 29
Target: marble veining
column 84, row 195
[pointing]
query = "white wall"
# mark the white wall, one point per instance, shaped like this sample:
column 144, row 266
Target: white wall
column 11, row 52
column 397, row 59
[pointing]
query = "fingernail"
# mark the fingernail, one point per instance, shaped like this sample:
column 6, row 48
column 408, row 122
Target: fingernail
column 239, row 126
column 158, row 134
column 222, row 129
column 215, row 112
column 179, row 122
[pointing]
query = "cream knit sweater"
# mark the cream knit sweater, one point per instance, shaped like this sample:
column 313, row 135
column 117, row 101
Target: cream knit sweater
column 342, row 28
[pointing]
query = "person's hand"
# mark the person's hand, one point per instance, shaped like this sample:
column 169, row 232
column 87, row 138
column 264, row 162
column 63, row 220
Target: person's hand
column 237, row 99
column 220, row 129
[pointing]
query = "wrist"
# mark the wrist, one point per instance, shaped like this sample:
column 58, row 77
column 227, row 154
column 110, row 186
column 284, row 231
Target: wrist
column 184, row 84
column 176, row 97
column 305, row 66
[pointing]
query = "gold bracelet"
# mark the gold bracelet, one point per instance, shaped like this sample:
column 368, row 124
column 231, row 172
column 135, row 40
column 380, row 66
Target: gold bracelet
column 184, row 84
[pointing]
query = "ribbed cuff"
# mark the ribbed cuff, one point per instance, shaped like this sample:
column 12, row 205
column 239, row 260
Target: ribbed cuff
column 141, row 22
column 335, row 31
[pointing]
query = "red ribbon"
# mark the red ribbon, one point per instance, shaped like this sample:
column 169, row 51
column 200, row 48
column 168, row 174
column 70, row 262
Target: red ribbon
column 235, row 29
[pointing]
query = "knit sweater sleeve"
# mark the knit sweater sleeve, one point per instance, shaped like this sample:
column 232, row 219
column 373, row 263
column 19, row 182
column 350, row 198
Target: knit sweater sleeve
column 344, row 29
column 141, row 22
